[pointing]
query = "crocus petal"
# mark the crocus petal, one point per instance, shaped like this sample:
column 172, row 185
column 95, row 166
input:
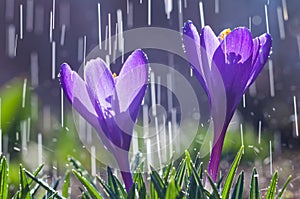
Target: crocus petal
column 264, row 46
column 133, row 77
column 233, row 59
column 191, row 42
column 75, row 89
column 209, row 42
column 99, row 81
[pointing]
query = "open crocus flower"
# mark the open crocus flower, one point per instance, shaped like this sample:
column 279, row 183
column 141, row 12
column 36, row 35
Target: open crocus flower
column 110, row 103
column 225, row 66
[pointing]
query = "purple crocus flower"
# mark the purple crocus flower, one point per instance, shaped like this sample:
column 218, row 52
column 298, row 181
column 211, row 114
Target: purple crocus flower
column 110, row 103
column 225, row 67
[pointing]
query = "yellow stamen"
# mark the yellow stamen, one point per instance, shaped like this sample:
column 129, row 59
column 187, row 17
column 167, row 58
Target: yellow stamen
column 224, row 33
column 114, row 75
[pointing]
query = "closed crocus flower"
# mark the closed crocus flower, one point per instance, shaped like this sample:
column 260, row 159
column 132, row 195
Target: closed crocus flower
column 225, row 65
column 110, row 103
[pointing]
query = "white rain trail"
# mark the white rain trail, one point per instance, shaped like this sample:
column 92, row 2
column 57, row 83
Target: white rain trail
column 170, row 139
column 296, row 116
column 250, row 23
column 84, row 50
column 135, row 145
column 53, row 11
column 185, row 3
column 149, row 12
column 174, row 125
column 280, row 23
column 34, row 69
column 271, row 159
column 106, row 36
column 158, row 90
column 153, row 94
column 109, row 33
column 244, row 101
column 298, row 43
column 46, row 118
column 63, row 35
column 180, row 15
column 201, row 14
column 217, row 6
column 99, row 27
column 120, row 31
column 169, row 7
column 169, row 92
column 29, row 15
column 259, row 131
column 115, row 44
column 285, row 10
column 24, row 93
column 165, row 143
column 16, row 45
column 21, row 21
column 50, row 27
column 271, row 76
column 53, row 59
column 267, row 19
column 40, row 149
column 242, row 135
column 158, row 141
column 28, row 129
column 23, row 136
column 127, row 7
column 93, row 161
column 11, row 33
column 62, row 107
column 80, row 49
column 130, row 16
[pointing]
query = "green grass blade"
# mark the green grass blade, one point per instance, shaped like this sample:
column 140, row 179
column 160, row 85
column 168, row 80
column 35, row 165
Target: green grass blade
column 215, row 194
column 158, row 184
column 131, row 194
column 188, row 163
column 196, row 176
column 90, row 188
column 24, row 187
column 43, row 184
column 167, row 172
column 281, row 191
column 66, row 185
column 272, row 188
column 115, row 184
column 3, row 178
column 35, row 173
column 173, row 190
column 231, row 174
column 141, row 187
column 254, row 189
column 153, row 192
column 239, row 187
column 107, row 188
column 180, row 173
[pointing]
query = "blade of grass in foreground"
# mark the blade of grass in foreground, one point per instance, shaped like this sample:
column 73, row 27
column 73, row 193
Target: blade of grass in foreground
column 239, row 187
column 254, row 189
column 272, row 188
column 280, row 194
column 91, row 189
column 231, row 174
column 3, row 177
